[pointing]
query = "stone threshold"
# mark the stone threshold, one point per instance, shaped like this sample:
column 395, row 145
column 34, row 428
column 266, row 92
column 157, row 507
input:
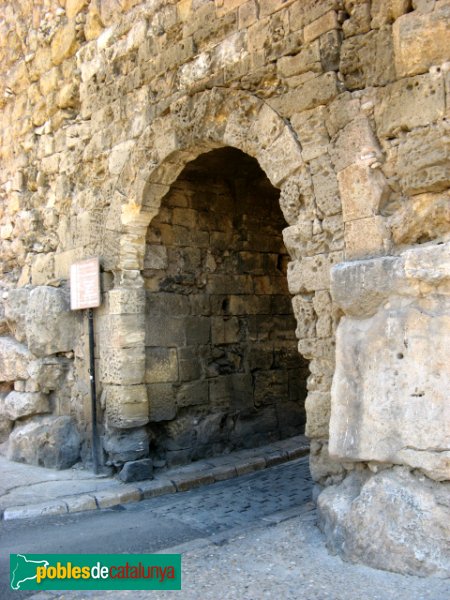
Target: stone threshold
column 177, row 479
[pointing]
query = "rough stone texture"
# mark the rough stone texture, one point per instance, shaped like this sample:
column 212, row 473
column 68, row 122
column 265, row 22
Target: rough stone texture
column 389, row 519
column 219, row 323
column 137, row 470
column 421, row 40
column 49, row 322
column 390, row 390
column 102, row 106
column 124, row 446
column 25, row 404
column 51, row 442
column 14, row 360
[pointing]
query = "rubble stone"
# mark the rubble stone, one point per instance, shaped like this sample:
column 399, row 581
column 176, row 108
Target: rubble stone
column 52, row 442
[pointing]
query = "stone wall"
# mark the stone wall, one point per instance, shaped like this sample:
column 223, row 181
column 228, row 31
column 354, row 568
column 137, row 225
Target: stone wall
column 344, row 105
column 222, row 366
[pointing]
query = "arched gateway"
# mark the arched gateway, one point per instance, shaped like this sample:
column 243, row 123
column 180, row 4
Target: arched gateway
column 111, row 121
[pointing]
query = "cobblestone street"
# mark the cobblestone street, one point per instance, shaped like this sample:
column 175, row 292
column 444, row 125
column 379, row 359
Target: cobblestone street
column 250, row 538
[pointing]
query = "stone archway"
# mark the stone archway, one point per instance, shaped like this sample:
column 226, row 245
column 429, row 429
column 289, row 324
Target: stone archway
column 222, row 367
column 145, row 170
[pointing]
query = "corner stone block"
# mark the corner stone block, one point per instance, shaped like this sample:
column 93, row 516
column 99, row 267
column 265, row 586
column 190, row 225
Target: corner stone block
column 359, row 287
column 121, row 331
column 421, row 40
column 366, row 237
column 389, row 400
column 126, row 406
column 362, row 189
column 122, row 366
column 126, row 301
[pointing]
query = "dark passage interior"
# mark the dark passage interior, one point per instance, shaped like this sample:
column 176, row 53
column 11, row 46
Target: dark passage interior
column 222, row 365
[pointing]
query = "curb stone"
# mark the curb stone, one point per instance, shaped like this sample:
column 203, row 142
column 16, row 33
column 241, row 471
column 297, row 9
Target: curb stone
column 172, row 481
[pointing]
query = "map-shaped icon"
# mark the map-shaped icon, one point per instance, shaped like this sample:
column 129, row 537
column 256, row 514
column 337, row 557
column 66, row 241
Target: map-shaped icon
column 24, row 570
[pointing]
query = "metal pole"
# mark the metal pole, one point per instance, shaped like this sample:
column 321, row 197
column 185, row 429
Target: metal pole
column 93, row 389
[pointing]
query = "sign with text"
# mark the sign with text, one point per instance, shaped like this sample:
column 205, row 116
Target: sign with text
column 95, row 571
column 85, row 284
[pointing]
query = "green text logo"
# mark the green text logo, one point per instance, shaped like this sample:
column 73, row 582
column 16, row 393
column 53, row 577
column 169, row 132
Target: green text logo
column 95, row 571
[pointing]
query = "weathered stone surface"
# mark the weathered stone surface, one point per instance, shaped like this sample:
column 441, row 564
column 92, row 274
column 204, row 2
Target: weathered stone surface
column 390, row 410
column 125, row 446
column 49, row 373
column 126, row 406
column 368, row 59
column 64, row 44
column 362, row 191
column 389, row 518
column 355, row 143
column 137, row 470
column 324, row 470
column 24, row 404
column 318, row 409
column 408, row 103
column 16, row 306
column 50, row 325
column 97, row 141
column 421, row 40
column 366, row 237
column 421, row 219
column 419, row 160
column 14, row 360
column 429, row 264
column 52, row 442
column 359, row 288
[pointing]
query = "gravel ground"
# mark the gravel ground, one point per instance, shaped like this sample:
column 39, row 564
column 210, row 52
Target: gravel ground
column 285, row 561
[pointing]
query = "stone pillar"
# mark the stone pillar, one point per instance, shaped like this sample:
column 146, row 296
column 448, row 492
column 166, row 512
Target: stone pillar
column 390, row 412
column 122, row 371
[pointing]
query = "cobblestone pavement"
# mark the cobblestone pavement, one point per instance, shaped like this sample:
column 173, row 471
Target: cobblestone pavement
column 237, row 503
column 250, row 538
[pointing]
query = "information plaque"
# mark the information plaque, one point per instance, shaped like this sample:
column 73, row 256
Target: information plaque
column 85, row 284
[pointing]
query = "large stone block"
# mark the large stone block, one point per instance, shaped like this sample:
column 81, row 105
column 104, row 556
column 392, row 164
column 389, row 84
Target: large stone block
column 355, row 143
column 16, row 307
column 362, row 191
column 14, row 360
column 408, row 103
column 392, row 520
column 422, row 218
column 420, row 161
column 50, row 324
column 359, row 288
column 366, row 237
column 161, row 400
column 390, row 388
column 421, row 40
column 122, row 366
column 24, row 404
column 368, row 59
column 312, row 273
column 49, row 373
column 51, row 442
column 124, row 446
column 126, row 406
column 161, row 365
